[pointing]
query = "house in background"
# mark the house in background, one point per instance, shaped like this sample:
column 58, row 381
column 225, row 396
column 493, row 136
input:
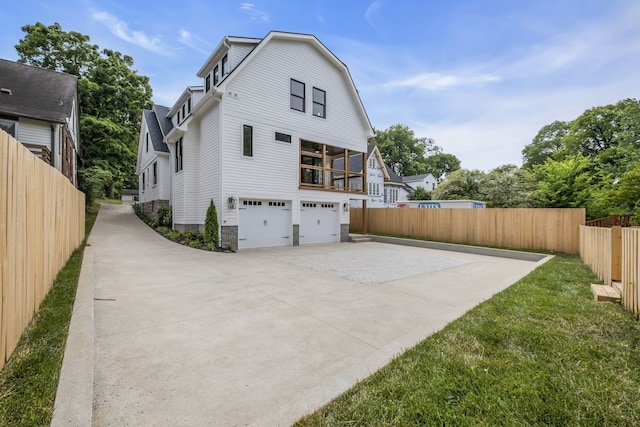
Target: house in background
column 384, row 187
column 153, row 165
column 269, row 143
column 39, row 108
column 426, row 181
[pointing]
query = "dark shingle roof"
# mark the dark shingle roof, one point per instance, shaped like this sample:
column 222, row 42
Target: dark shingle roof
column 156, row 125
column 35, row 92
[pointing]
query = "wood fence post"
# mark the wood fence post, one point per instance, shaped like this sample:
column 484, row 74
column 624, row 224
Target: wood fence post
column 616, row 253
column 365, row 218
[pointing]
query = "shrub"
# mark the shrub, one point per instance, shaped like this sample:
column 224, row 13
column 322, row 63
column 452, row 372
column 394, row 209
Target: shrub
column 174, row 235
column 211, row 232
column 164, row 216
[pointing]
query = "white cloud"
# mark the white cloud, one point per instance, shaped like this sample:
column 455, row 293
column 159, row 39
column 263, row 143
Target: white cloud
column 371, row 13
column 194, row 42
column 254, row 14
column 438, row 81
column 121, row 29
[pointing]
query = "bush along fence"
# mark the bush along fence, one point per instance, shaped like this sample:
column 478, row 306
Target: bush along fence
column 41, row 224
column 537, row 229
column 614, row 256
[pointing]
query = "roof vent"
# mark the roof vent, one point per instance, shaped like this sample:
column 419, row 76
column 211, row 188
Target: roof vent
column 5, row 90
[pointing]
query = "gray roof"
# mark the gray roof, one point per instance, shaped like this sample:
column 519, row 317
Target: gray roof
column 158, row 126
column 355, row 161
column 36, row 93
column 415, row 177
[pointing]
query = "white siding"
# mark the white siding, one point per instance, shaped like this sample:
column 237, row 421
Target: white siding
column 238, row 52
column 34, row 132
column 209, row 162
column 191, row 171
column 261, row 91
column 159, row 191
column 178, row 198
column 375, row 183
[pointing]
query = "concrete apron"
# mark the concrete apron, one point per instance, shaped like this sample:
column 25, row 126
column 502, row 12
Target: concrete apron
column 188, row 337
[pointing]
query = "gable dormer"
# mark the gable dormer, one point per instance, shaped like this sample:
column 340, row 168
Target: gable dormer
column 226, row 56
column 181, row 110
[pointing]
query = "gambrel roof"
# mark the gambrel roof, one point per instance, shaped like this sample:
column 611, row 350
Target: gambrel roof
column 36, row 93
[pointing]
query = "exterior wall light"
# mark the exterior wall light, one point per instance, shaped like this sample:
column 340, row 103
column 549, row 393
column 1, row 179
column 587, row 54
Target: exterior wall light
column 231, row 202
column 345, row 207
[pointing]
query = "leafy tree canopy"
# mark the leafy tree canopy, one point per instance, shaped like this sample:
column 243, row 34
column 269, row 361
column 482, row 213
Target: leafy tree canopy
column 111, row 98
column 419, row 193
column 408, row 155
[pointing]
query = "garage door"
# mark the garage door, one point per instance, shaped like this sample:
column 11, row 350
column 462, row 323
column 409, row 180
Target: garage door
column 264, row 223
column 319, row 223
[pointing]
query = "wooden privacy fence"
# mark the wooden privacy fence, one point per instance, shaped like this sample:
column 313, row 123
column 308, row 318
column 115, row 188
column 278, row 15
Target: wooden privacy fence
column 542, row 229
column 41, row 223
column 614, row 256
column 631, row 269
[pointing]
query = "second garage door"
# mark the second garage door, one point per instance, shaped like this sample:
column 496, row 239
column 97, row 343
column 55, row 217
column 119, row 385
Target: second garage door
column 319, row 223
column 264, row 223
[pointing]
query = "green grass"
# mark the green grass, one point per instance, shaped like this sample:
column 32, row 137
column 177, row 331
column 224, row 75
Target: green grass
column 29, row 380
column 542, row 352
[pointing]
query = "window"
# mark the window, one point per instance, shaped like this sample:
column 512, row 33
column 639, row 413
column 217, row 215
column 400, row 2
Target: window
column 319, row 102
column 147, row 141
column 9, row 127
column 283, row 137
column 144, row 180
column 183, row 111
column 179, row 155
column 225, row 66
column 216, row 75
column 189, row 106
column 155, row 173
column 207, row 83
column 178, row 117
column 297, row 95
column 247, row 140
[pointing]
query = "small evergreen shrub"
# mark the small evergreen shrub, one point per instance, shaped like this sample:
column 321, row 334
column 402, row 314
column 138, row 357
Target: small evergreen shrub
column 164, row 216
column 211, row 232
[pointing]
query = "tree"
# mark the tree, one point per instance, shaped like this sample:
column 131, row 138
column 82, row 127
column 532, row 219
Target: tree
column 51, row 48
column 507, row 186
column 419, row 193
column 547, row 142
column 211, row 232
column 111, row 98
column 400, row 148
column 461, row 184
column 407, row 154
column 440, row 165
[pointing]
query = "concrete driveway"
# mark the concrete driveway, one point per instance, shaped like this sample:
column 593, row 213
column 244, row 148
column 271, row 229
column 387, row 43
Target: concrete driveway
column 188, row 337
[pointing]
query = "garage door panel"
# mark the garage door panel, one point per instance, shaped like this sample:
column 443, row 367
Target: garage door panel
column 319, row 223
column 264, row 223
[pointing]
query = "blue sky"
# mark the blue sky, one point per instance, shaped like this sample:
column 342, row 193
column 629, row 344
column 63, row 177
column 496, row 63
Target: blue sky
column 480, row 77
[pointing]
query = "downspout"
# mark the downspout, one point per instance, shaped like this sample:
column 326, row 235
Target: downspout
column 52, row 160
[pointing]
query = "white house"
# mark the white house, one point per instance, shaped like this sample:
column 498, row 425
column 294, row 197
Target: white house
column 426, row 181
column 153, row 164
column 444, row 204
column 265, row 142
column 384, row 187
column 39, row 108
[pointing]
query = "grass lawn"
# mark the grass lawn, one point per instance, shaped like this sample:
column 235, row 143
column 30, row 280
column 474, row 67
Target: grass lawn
column 542, row 352
column 29, row 380
column 108, row 201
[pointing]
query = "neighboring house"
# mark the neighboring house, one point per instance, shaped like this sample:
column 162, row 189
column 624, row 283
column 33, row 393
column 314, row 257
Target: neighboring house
column 265, row 143
column 39, row 108
column 426, row 181
column 395, row 190
column 384, row 187
column 153, row 165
